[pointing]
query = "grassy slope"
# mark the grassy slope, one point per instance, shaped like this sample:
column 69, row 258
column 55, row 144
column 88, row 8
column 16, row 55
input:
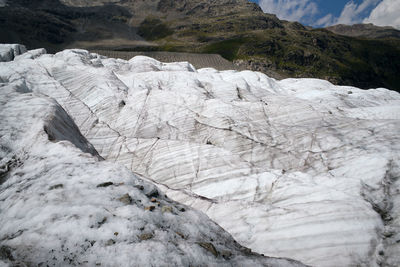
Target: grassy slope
column 293, row 50
column 286, row 48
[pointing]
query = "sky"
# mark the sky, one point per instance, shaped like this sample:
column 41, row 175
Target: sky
column 322, row 13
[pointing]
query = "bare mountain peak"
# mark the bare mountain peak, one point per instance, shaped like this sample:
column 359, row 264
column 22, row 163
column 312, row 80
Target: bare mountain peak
column 365, row 30
column 205, row 7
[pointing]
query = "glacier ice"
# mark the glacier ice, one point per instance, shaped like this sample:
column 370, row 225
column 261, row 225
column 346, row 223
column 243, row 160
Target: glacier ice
column 297, row 168
column 9, row 51
column 62, row 204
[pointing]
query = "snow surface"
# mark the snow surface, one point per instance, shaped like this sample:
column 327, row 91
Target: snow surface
column 61, row 204
column 297, row 168
column 9, row 51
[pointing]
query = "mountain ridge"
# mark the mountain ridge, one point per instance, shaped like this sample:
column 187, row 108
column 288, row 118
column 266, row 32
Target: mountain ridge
column 236, row 29
column 365, row 31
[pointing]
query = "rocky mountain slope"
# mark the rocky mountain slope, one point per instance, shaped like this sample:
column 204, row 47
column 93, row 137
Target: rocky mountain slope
column 297, row 168
column 61, row 204
column 365, row 31
column 236, row 29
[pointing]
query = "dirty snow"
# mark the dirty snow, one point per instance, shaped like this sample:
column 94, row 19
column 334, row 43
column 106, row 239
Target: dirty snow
column 297, row 168
column 9, row 51
column 61, row 204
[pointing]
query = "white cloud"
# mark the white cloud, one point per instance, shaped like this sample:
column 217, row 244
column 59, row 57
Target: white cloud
column 326, row 20
column 3, row 3
column 387, row 13
column 353, row 13
column 293, row 10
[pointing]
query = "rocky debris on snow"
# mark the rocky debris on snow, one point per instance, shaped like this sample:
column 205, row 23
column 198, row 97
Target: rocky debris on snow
column 296, row 168
column 126, row 199
column 61, row 204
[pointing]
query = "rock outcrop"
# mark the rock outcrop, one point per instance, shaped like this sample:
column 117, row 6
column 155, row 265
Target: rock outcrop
column 365, row 31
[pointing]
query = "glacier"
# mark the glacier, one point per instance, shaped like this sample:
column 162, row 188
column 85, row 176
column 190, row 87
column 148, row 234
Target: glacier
column 9, row 51
column 62, row 204
column 297, row 168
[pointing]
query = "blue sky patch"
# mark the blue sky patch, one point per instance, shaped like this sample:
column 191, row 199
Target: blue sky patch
column 322, row 13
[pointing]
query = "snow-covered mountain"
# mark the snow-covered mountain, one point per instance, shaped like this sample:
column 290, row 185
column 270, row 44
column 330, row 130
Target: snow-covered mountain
column 297, row 168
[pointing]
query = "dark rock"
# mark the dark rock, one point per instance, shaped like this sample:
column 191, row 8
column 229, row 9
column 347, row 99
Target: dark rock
column 247, row 251
column 181, row 235
column 226, row 254
column 150, row 208
column 126, row 199
column 209, row 247
column 56, row 186
column 105, row 184
column 6, row 253
column 153, row 193
column 102, row 222
column 146, row 236
column 140, row 187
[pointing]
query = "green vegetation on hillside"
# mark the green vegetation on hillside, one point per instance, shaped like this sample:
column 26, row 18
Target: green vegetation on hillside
column 237, row 30
column 153, row 29
column 227, row 48
column 312, row 53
